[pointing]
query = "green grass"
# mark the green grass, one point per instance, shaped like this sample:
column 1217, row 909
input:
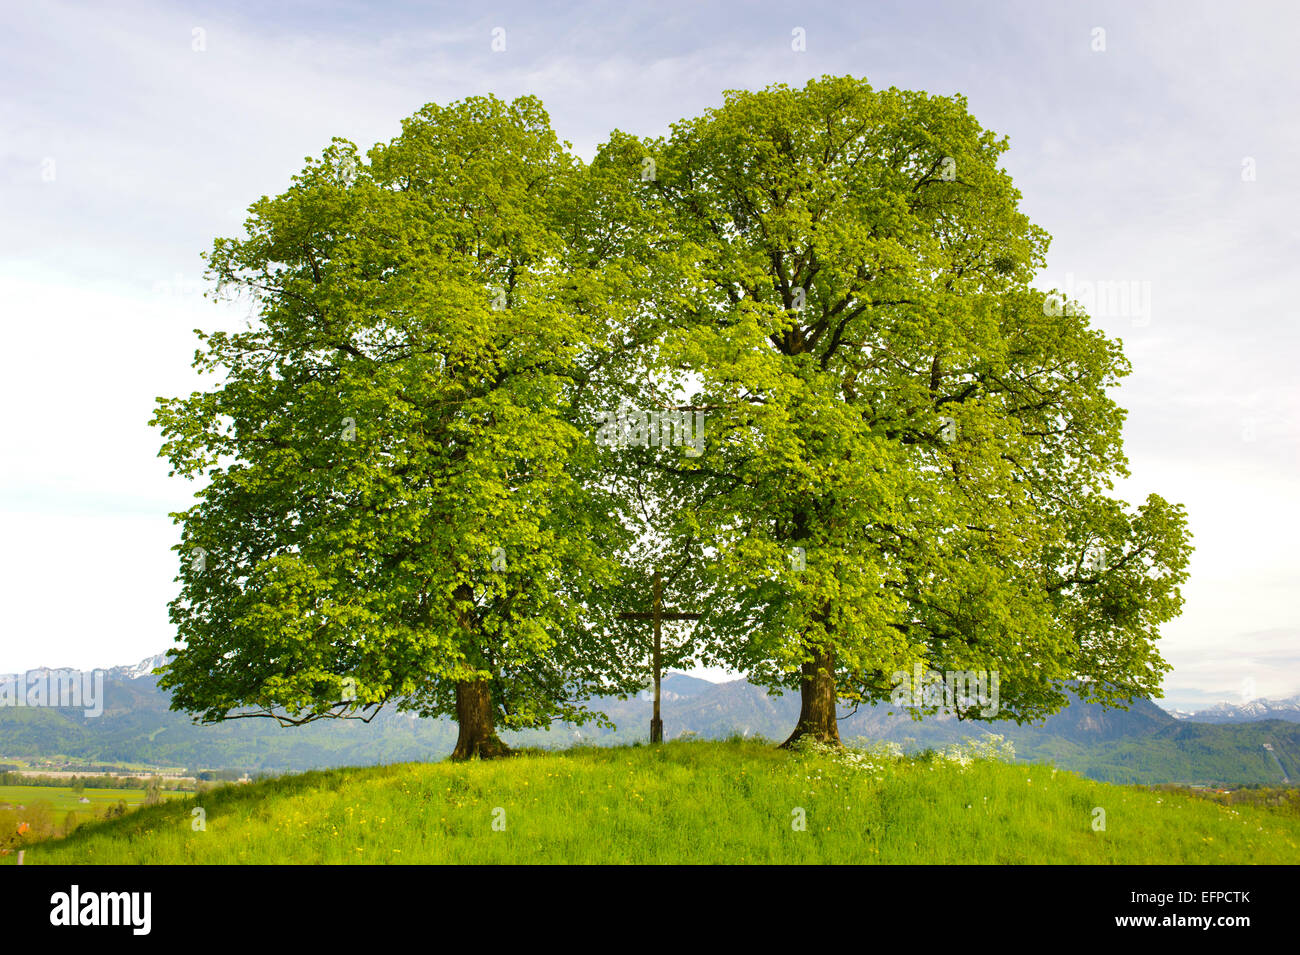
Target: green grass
column 64, row 800
column 699, row 802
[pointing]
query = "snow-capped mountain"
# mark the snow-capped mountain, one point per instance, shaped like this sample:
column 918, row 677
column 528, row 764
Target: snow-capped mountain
column 131, row 672
column 143, row 668
column 1287, row 709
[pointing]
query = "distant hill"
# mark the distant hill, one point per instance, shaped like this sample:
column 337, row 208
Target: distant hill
column 1141, row 744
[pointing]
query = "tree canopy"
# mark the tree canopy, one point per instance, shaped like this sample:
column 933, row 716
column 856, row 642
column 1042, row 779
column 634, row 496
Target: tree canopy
column 394, row 509
column 909, row 448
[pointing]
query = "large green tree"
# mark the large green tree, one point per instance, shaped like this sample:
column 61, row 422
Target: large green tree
column 402, row 501
column 908, row 449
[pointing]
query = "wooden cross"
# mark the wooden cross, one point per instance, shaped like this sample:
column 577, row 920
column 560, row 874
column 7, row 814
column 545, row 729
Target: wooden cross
column 658, row 615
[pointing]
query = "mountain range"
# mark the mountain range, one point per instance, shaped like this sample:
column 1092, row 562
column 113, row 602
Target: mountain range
column 1245, row 712
column 1140, row 744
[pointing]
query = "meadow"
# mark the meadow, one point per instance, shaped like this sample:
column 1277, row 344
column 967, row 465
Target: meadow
column 63, row 799
column 687, row 802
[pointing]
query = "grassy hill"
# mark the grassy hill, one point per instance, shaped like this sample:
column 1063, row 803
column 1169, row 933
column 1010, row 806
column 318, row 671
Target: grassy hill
column 697, row 802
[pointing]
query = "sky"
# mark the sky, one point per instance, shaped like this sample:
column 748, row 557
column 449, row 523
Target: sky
column 1157, row 143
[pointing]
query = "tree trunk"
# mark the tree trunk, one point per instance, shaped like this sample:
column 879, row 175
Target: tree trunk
column 478, row 736
column 818, row 698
